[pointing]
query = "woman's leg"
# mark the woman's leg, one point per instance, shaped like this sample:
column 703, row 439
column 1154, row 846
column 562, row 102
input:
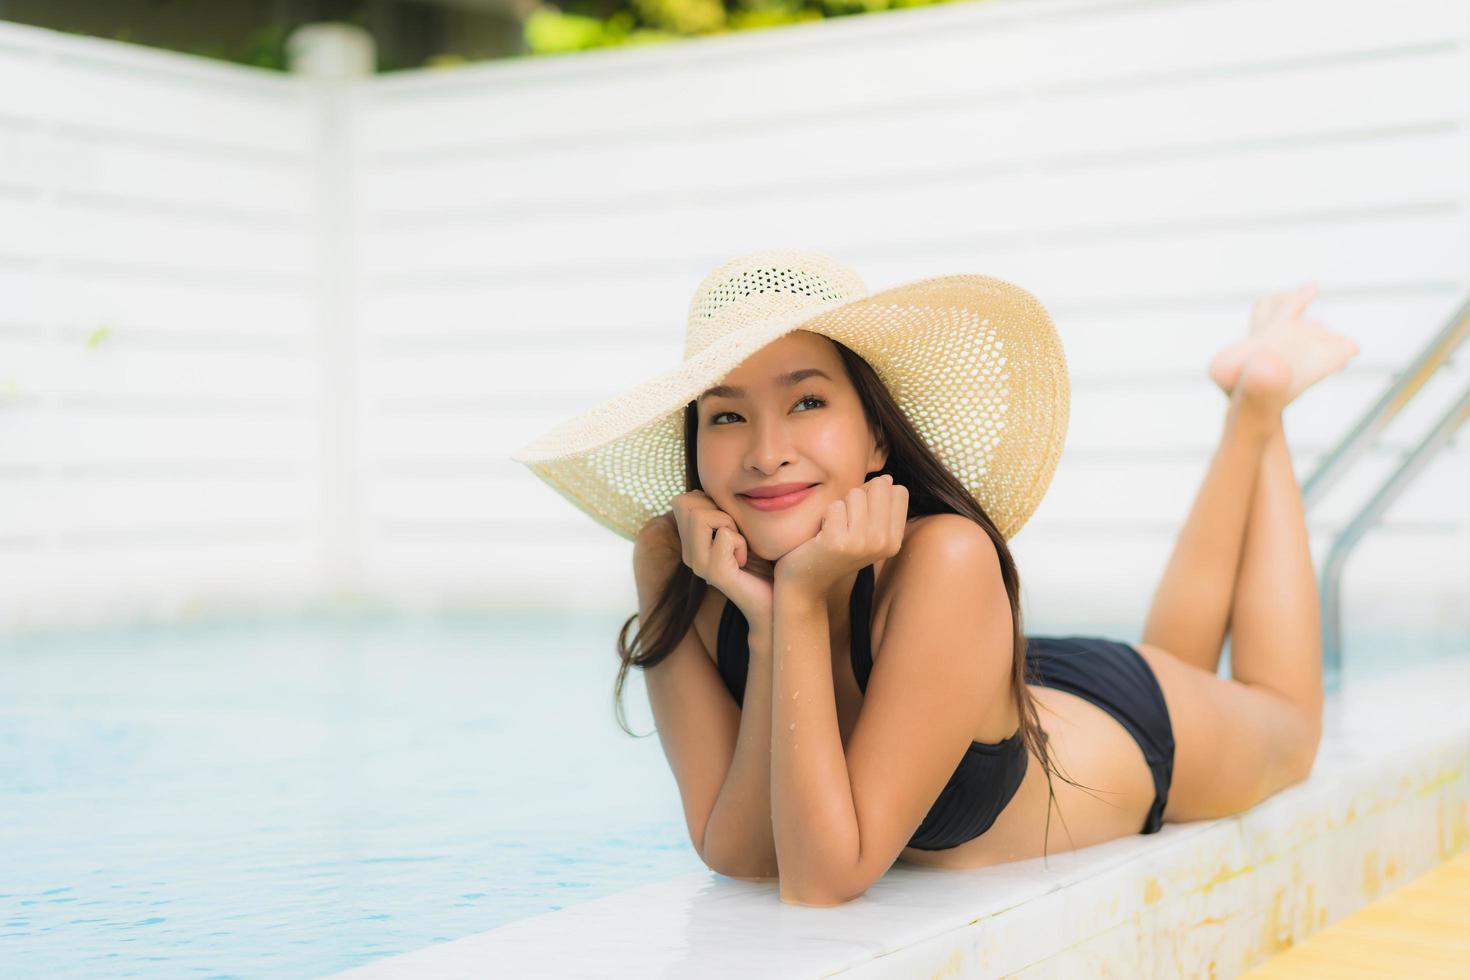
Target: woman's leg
column 1191, row 607
column 1275, row 621
column 1197, row 598
column 1240, row 740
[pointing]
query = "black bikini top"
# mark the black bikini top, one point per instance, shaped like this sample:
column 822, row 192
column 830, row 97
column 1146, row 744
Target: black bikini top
column 983, row 783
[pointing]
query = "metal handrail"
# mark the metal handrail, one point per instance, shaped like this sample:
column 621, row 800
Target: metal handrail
column 1405, row 386
column 1377, row 418
column 1362, row 522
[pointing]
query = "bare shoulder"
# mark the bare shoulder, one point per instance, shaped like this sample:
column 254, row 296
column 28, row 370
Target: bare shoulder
column 934, row 545
column 944, row 539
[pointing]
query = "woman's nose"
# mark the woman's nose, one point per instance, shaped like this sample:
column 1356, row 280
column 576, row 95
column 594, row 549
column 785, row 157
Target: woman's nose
column 770, row 446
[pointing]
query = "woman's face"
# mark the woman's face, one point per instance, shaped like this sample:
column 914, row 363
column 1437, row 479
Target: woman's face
column 756, row 431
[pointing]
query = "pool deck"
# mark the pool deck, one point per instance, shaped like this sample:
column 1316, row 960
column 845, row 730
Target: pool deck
column 1386, row 803
column 1422, row 930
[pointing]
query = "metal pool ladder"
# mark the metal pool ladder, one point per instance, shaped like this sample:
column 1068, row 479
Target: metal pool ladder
column 1405, row 386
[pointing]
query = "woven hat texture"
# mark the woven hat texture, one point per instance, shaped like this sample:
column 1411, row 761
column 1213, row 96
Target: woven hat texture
column 974, row 363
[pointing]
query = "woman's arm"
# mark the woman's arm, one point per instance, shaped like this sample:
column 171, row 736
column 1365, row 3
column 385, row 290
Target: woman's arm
column 739, row 838
column 843, row 814
column 812, row 808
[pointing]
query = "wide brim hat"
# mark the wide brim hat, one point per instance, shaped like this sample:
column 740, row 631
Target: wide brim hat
column 974, row 363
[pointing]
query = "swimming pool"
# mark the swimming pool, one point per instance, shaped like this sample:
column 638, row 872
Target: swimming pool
column 295, row 797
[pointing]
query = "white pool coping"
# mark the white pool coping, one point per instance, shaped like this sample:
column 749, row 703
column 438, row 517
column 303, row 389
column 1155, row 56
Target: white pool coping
column 1386, row 802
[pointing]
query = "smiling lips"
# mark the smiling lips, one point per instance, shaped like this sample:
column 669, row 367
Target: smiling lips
column 779, row 502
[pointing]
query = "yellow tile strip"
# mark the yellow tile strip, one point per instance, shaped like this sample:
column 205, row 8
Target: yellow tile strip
column 1421, row 930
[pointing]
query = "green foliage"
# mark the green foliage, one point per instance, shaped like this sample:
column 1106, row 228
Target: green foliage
column 551, row 30
column 265, row 48
column 574, row 25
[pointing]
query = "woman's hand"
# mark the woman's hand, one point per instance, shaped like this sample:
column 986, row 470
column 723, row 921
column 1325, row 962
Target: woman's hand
column 717, row 553
column 866, row 525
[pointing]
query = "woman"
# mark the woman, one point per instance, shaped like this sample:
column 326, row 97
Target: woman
column 856, row 687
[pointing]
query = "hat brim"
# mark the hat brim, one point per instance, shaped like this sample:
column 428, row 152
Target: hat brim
column 974, row 362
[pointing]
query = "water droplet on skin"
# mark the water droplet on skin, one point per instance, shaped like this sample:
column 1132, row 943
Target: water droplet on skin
column 792, row 726
column 795, row 695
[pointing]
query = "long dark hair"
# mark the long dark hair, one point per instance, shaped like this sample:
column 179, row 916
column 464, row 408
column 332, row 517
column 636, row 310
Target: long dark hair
column 932, row 488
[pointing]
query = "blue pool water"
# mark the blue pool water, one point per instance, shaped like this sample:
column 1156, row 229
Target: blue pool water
column 292, row 798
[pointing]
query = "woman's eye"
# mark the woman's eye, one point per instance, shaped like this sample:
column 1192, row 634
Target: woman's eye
column 819, row 401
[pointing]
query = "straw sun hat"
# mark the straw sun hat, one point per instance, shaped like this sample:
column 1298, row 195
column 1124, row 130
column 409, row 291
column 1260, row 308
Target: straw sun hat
column 974, row 363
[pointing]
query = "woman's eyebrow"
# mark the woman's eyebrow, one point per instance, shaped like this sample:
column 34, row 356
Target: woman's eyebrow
column 784, row 380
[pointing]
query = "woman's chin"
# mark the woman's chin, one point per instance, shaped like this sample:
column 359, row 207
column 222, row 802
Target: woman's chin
column 762, row 554
column 774, row 551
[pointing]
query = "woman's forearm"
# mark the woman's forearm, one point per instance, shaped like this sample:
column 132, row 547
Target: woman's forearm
column 811, row 793
column 739, row 840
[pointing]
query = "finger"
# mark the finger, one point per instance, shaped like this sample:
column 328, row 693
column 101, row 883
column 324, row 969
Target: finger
column 686, row 538
column 704, row 538
column 880, row 508
column 722, row 546
column 733, row 545
column 900, row 513
column 857, row 511
column 834, row 518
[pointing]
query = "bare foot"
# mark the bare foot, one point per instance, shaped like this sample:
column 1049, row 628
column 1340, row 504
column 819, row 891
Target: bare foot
column 1263, row 382
column 1311, row 351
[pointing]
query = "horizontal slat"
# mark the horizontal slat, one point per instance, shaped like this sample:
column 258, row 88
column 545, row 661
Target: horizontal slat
column 1181, row 337
column 994, row 217
column 70, row 230
column 652, row 298
column 1183, row 125
column 1335, row 251
column 165, row 300
column 514, row 378
column 72, row 164
column 99, row 506
column 1396, row 577
column 152, row 94
column 171, row 432
column 115, row 368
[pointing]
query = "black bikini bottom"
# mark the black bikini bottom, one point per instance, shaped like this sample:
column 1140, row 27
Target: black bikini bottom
column 1116, row 678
